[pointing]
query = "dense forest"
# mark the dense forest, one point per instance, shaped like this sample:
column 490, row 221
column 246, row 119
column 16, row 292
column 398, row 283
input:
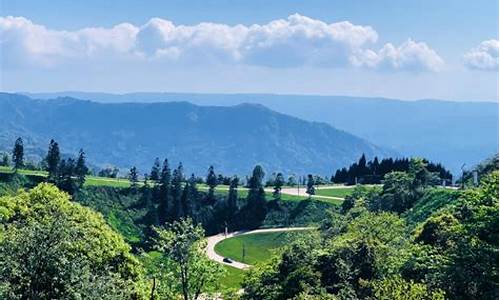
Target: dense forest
column 373, row 171
column 403, row 239
column 166, row 194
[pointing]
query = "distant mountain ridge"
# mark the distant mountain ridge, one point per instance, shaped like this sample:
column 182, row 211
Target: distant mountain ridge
column 450, row 132
column 233, row 139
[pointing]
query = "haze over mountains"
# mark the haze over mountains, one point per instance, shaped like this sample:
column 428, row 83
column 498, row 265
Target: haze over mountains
column 234, row 139
column 453, row 133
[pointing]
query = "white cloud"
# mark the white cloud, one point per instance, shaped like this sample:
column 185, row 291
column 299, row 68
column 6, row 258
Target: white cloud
column 483, row 57
column 25, row 43
column 291, row 42
column 411, row 55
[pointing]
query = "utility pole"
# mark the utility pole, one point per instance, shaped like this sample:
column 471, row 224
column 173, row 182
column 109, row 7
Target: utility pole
column 475, row 177
column 463, row 175
column 243, row 253
column 298, row 186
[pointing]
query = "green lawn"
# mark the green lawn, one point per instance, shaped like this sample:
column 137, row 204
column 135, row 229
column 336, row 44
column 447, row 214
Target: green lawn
column 243, row 192
column 335, row 192
column 23, row 172
column 220, row 189
column 89, row 180
column 103, row 181
column 259, row 247
column 233, row 278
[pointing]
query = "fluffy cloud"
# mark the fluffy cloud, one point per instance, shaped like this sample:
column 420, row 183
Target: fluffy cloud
column 23, row 42
column 408, row 56
column 483, row 57
column 291, row 42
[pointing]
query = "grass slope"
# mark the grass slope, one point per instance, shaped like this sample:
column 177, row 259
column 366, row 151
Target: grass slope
column 335, row 192
column 259, row 247
column 233, row 278
column 89, row 180
column 124, row 183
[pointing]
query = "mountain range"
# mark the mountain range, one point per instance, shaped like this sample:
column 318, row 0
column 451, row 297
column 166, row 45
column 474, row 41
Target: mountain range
column 453, row 133
column 232, row 138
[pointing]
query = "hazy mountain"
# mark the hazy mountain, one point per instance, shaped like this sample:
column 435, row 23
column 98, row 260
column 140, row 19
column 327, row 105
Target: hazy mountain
column 450, row 132
column 233, row 138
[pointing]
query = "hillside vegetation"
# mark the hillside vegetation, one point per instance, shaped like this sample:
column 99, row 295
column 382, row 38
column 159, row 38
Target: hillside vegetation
column 434, row 129
column 61, row 238
column 403, row 241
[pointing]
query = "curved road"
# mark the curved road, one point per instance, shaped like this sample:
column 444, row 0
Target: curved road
column 215, row 239
column 302, row 192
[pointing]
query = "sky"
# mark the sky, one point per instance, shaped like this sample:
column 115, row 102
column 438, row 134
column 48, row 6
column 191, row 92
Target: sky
column 445, row 49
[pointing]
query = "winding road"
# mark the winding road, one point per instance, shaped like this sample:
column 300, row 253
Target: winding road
column 302, row 192
column 215, row 239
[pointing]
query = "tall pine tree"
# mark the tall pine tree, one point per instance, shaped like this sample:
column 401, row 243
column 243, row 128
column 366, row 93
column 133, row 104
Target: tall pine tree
column 177, row 179
column 18, row 154
column 164, row 196
column 53, row 159
column 66, row 172
column 212, row 183
column 310, row 185
column 81, row 169
column 256, row 199
column 189, row 197
column 133, row 177
column 279, row 181
column 232, row 196
column 155, row 170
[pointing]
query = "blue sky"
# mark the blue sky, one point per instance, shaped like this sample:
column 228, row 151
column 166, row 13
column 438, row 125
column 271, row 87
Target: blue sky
column 399, row 49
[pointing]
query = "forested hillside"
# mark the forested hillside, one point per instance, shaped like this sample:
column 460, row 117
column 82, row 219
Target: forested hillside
column 404, row 239
column 233, row 139
column 450, row 132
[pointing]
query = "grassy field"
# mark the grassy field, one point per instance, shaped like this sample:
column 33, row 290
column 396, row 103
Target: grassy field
column 335, row 192
column 89, row 180
column 23, row 172
column 243, row 192
column 259, row 247
column 220, row 189
column 103, row 181
column 233, row 278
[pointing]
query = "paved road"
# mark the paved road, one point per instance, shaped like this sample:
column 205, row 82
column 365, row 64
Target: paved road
column 293, row 191
column 302, row 192
column 213, row 240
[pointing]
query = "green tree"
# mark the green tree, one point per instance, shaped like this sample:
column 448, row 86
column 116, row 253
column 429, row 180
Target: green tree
column 52, row 248
column 463, row 237
column 155, row 170
column 109, row 171
column 5, row 160
column 311, row 190
column 212, row 183
column 18, row 154
column 183, row 244
column 279, row 181
column 421, row 176
column 65, row 178
column 164, row 196
column 177, row 180
column 256, row 207
column 133, row 177
column 53, row 159
column 189, row 196
column 232, row 196
column 397, row 192
column 81, row 168
column 396, row 288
